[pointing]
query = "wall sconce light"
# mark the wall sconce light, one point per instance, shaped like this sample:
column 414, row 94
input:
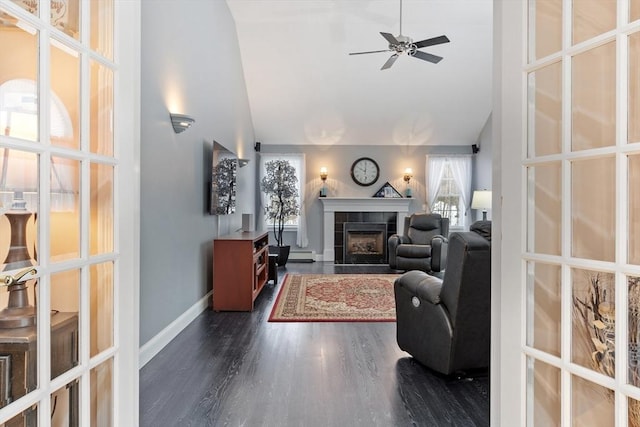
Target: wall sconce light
column 481, row 200
column 408, row 174
column 243, row 162
column 181, row 122
column 323, row 177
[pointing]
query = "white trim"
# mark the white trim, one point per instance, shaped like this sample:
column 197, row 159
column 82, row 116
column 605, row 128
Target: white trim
column 164, row 337
column 331, row 205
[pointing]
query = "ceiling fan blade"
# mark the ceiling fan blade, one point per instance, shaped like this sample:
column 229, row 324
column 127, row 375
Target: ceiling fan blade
column 432, row 41
column 371, row 51
column 427, row 57
column 390, row 38
column 390, row 61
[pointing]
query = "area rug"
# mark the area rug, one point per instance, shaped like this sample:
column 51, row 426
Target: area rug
column 335, row 298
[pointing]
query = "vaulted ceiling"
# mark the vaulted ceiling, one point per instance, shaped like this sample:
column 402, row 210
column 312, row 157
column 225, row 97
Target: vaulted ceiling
column 304, row 88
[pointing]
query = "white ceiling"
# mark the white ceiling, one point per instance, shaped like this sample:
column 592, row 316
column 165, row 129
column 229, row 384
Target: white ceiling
column 304, row 88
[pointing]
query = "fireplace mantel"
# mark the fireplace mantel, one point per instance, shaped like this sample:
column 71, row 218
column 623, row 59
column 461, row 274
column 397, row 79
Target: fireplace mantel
column 331, row 205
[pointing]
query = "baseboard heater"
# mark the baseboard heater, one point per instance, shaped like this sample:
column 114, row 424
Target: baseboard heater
column 302, row 256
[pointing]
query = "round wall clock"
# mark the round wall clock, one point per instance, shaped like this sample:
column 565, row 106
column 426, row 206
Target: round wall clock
column 365, row 171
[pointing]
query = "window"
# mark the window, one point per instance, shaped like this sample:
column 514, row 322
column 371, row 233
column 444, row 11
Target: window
column 449, row 186
column 297, row 161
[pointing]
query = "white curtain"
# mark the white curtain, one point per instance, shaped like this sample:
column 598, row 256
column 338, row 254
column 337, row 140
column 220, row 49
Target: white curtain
column 435, row 167
column 461, row 171
column 297, row 160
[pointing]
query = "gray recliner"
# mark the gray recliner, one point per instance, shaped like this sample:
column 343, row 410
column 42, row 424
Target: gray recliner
column 445, row 324
column 423, row 246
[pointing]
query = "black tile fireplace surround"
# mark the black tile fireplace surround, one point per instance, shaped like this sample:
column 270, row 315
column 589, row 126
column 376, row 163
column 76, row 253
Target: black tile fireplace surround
column 341, row 218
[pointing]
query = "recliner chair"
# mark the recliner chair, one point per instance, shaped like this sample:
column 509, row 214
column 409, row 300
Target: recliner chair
column 423, row 246
column 445, row 324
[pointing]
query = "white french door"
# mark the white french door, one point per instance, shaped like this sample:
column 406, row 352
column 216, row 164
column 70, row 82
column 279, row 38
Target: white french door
column 69, row 99
column 581, row 196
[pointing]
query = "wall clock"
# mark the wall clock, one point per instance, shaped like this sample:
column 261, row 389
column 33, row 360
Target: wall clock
column 365, row 171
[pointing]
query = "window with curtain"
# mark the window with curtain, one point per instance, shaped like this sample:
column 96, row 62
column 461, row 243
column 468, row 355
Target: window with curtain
column 449, row 187
column 297, row 223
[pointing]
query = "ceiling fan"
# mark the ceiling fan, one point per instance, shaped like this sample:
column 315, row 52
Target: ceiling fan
column 403, row 45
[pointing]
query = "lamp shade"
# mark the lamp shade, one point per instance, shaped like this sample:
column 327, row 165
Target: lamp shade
column 481, row 200
column 18, row 179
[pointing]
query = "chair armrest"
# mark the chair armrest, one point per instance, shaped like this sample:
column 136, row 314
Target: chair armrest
column 439, row 246
column 420, row 284
column 392, row 247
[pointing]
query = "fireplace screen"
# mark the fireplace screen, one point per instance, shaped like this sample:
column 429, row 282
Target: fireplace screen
column 365, row 243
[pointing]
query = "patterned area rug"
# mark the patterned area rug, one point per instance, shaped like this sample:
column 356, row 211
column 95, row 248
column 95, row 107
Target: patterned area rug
column 335, row 298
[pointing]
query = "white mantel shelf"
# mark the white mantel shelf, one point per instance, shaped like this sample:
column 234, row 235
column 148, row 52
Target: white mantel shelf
column 331, row 205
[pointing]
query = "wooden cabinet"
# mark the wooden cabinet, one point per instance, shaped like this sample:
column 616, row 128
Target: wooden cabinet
column 19, row 364
column 240, row 269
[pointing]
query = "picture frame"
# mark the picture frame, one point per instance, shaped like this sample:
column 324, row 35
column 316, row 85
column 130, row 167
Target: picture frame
column 387, row 191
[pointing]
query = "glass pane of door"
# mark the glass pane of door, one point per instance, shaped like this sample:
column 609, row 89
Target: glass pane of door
column 634, row 88
column 65, row 95
column 65, row 16
column 101, row 307
column 634, row 10
column 101, row 209
column 65, row 307
column 546, row 28
column 593, row 312
column 593, row 198
column 65, row 209
column 102, row 27
column 19, row 207
column 546, row 207
column 544, row 388
column 102, row 394
column 592, row 18
column 547, row 121
column 18, row 79
column 593, row 97
column 633, row 195
column 591, row 405
column 544, row 315
column 101, row 109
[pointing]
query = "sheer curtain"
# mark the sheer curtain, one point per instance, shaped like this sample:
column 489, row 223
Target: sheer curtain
column 435, row 167
column 298, row 162
column 461, row 171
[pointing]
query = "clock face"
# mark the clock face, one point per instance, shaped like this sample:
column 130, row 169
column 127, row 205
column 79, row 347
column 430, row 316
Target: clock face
column 365, row 171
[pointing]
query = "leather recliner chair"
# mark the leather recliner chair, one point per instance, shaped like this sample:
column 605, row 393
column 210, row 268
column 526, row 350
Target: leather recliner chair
column 423, row 246
column 445, row 324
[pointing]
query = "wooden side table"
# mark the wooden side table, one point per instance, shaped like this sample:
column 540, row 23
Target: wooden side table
column 19, row 363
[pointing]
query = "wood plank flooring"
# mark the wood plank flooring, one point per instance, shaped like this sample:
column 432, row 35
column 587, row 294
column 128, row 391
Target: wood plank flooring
column 237, row 369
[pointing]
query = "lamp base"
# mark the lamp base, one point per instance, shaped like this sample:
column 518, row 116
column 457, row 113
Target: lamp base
column 18, row 255
column 484, row 215
column 17, row 317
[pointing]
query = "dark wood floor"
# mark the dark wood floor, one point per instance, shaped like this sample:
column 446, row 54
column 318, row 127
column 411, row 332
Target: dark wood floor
column 237, row 369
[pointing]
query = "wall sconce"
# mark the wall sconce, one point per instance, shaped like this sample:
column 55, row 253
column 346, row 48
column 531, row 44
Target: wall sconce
column 408, row 174
column 181, row 122
column 243, row 162
column 323, row 177
column 481, row 200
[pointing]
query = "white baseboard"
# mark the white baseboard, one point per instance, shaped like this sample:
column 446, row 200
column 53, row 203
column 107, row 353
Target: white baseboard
column 302, row 255
column 164, row 337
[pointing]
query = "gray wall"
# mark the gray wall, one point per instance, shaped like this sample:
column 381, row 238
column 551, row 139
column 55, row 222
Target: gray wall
column 393, row 160
column 482, row 164
column 190, row 64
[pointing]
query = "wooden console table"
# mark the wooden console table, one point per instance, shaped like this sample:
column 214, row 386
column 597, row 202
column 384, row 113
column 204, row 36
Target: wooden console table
column 240, row 269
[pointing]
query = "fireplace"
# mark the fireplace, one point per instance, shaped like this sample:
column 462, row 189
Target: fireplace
column 365, row 243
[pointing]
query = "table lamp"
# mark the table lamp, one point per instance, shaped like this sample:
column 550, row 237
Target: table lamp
column 481, row 200
column 18, row 177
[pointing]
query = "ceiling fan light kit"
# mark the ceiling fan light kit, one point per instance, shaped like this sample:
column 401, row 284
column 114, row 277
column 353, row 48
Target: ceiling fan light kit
column 403, row 45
